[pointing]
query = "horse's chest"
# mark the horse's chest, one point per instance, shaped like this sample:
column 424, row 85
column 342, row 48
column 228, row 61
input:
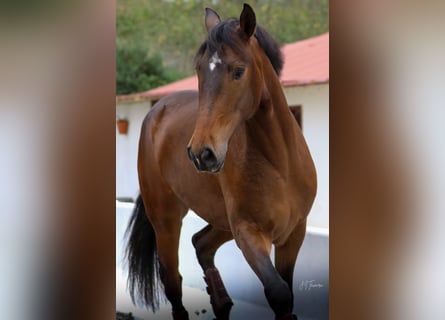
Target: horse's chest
column 260, row 199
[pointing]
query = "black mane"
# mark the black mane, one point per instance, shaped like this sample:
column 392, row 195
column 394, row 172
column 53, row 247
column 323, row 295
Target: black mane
column 225, row 32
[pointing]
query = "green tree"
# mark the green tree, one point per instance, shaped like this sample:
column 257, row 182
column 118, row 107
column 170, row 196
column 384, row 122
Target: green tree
column 136, row 71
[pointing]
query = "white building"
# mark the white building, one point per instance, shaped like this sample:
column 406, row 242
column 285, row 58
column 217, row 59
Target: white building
column 305, row 79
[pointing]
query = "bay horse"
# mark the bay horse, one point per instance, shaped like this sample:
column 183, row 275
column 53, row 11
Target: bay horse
column 233, row 153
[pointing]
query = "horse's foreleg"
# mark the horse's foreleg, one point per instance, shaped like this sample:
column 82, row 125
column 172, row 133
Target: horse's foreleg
column 206, row 242
column 256, row 249
column 167, row 240
column 286, row 254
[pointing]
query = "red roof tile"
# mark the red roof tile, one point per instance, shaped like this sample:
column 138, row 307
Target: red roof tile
column 305, row 62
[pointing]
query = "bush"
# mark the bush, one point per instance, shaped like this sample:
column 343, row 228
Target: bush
column 137, row 72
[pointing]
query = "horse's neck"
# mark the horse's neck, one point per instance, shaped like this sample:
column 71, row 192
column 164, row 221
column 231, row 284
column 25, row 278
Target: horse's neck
column 272, row 128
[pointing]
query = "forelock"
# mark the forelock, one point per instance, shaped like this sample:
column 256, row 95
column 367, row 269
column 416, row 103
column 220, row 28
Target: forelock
column 226, row 33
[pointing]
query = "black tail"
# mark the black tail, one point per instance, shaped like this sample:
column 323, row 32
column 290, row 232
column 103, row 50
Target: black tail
column 144, row 280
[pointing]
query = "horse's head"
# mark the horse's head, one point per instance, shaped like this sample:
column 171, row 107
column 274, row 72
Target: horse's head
column 229, row 70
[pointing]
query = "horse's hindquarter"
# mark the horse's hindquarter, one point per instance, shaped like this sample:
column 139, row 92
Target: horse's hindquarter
column 171, row 128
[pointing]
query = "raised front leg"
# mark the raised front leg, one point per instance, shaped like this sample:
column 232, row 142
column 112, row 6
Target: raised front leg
column 256, row 248
column 206, row 242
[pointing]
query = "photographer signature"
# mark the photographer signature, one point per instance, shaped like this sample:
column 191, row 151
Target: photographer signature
column 307, row 285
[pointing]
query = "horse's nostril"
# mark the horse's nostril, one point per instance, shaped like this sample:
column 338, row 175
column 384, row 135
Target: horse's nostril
column 208, row 157
column 204, row 160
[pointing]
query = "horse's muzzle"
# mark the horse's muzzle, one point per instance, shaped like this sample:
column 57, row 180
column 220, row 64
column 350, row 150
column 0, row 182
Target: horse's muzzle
column 205, row 160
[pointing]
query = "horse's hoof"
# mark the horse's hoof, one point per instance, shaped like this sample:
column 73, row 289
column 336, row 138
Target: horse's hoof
column 288, row 316
column 223, row 312
column 180, row 315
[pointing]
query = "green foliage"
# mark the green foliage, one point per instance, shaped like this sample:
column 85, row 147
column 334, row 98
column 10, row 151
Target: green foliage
column 136, row 71
column 174, row 29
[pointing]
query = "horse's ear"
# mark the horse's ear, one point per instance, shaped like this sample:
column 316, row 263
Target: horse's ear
column 247, row 21
column 212, row 19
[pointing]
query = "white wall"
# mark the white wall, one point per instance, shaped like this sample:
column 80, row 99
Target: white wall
column 314, row 100
column 127, row 184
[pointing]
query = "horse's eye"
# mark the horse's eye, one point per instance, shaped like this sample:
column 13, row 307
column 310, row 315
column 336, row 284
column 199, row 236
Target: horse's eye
column 237, row 73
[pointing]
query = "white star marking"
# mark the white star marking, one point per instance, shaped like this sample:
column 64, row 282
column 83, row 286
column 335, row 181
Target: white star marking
column 214, row 60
